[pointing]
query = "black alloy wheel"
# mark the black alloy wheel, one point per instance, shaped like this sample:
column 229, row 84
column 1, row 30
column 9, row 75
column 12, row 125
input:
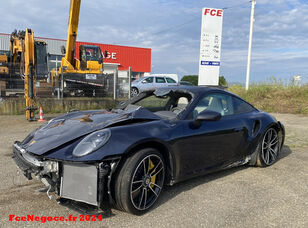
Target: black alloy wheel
column 140, row 181
column 134, row 92
column 268, row 148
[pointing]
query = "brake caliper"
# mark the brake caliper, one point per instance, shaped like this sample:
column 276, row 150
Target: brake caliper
column 153, row 178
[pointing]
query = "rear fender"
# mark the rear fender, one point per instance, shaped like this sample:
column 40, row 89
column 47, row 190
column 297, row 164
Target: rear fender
column 281, row 132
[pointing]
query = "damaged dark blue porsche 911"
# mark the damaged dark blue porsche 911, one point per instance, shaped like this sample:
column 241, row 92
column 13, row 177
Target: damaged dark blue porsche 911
column 124, row 157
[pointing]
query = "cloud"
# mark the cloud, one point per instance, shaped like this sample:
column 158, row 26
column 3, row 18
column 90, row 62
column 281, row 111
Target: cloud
column 171, row 28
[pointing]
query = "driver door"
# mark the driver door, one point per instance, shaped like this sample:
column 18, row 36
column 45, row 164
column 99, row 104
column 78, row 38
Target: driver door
column 213, row 144
column 146, row 84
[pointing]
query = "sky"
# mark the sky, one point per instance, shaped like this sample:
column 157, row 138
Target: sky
column 172, row 28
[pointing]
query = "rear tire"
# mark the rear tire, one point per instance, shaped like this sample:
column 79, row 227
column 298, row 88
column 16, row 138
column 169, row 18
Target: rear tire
column 140, row 181
column 268, row 149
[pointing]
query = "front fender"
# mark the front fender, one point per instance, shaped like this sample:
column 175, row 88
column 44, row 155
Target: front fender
column 122, row 139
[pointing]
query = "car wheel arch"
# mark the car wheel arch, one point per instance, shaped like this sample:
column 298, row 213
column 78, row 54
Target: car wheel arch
column 278, row 128
column 136, row 88
column 162, row 148
column 280, row 132
column 158, row 145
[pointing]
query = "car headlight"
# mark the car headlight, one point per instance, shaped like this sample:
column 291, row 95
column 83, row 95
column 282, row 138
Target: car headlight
column 92, row 142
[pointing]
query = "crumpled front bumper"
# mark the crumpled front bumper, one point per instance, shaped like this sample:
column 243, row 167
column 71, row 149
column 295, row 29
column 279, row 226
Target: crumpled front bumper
column 81, row 182
column 29, row 164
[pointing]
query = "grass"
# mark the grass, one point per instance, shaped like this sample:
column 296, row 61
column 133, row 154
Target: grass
column 275, row 96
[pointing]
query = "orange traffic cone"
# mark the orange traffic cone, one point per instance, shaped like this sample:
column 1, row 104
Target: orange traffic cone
column 42, row 119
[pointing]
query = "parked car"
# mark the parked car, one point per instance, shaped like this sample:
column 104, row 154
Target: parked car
column 125, row 157
column 150, row 82
column 184, row 83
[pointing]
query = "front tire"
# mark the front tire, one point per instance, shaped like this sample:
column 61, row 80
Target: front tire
column 140, row 181
column 134, row 92
column 268, row 149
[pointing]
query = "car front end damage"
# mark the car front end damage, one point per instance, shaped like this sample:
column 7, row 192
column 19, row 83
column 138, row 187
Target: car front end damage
column 82, row 182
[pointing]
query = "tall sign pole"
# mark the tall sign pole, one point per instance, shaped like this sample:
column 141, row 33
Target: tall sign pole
column 210, row 46
column 252, row 19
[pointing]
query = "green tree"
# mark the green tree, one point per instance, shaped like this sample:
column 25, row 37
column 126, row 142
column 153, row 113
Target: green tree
column 193, row 79
column 222, row 81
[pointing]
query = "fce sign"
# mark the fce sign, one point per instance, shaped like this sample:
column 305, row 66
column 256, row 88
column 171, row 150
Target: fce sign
column 213, row 12
column 210, row 46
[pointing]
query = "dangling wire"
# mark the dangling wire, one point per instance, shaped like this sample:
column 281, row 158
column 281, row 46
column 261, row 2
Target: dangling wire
column 176, row 27
column 235, row 6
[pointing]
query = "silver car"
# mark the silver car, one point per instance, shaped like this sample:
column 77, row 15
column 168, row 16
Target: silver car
column 150, row 82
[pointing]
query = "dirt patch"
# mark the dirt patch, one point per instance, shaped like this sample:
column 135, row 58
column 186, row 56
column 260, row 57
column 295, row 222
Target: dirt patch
column 241, row 197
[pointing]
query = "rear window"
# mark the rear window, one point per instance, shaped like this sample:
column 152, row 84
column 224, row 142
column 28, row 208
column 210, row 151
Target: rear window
column 240, row 106
column 170, row 80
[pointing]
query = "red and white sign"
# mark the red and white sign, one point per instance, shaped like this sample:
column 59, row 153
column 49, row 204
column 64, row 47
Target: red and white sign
column 110, row 55
column 213, row 12
column 210, row 46
column 139, row 59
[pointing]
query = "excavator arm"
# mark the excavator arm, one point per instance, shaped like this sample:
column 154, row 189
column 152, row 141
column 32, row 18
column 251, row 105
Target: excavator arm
column 23, row 63
column 83, row 65
column 72, row 33
column 84, row 73
column 29, row 74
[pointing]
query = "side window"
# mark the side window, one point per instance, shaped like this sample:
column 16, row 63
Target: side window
column 240, row 106
column 218, row 102
column 170, row 80
column 160, row 80
column 149, row 80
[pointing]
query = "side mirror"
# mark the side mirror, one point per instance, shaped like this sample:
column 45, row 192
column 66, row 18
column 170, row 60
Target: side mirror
column 144, row 81
column 206, row 115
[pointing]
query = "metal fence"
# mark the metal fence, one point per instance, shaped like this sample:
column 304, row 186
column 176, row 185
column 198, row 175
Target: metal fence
column 55, row 84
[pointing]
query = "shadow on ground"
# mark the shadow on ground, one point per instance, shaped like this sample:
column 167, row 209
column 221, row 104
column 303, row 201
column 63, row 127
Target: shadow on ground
column 285, row 151
column 173, row 191
column 170, row 192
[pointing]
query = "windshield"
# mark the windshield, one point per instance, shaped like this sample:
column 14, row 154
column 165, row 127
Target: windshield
column 164, row 103
column 139, row 79
column 41, row 60
column 92, row 53
column 154, row 102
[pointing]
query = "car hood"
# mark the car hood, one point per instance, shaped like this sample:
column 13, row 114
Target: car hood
column 66, row 128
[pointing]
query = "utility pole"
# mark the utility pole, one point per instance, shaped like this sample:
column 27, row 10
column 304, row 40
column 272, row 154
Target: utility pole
column 252, row 19
column 129, row 82
column 115, row 84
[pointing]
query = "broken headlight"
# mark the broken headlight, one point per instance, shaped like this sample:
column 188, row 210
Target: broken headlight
column 50, row 167
column 92, row 142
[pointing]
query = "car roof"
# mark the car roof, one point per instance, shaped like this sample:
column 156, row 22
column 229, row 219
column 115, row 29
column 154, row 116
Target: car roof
column 193, row 89
column 197, row 90
column 157, row 76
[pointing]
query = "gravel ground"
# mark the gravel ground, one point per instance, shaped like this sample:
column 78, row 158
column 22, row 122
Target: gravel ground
column 276, row 196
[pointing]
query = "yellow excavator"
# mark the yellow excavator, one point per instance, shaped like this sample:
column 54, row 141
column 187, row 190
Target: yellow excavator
column 4, row 70
column 26, row 58
column 85, row 73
